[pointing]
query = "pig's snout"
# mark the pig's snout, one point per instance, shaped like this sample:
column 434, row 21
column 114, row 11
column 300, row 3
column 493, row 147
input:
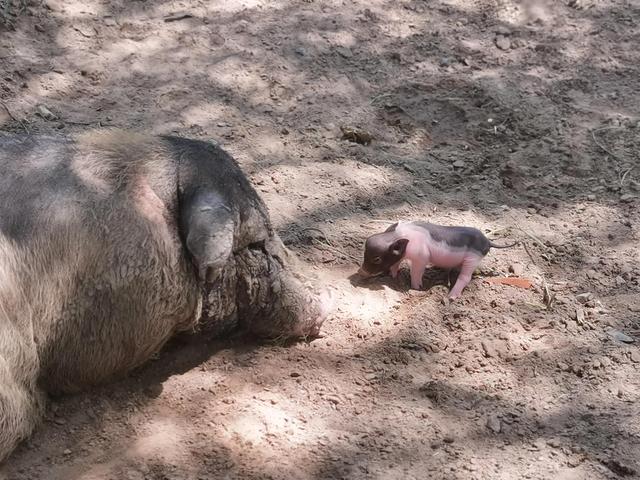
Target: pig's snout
column 326, row 304
column 363, row 273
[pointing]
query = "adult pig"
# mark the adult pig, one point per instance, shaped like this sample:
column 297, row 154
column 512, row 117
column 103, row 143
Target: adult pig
column 113, row 241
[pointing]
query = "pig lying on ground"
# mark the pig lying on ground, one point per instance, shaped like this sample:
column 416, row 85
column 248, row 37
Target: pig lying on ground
column 425, row 244
column 110, row 243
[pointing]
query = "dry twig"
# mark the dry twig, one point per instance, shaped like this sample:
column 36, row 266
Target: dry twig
column 605, row 149
column 625, row 176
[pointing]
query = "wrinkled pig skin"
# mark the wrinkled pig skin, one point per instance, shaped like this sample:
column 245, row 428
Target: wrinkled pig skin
column 113, row 241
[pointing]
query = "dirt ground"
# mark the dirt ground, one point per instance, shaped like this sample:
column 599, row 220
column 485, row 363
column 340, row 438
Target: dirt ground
column 519, row 118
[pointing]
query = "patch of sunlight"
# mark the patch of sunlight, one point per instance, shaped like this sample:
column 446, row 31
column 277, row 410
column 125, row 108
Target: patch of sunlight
column 370, row 308
column 203, row 114
column 162, row 437
column 232, row 74
column 235, row 6
column 77, row 8
column 341, row 38
column 260, row 422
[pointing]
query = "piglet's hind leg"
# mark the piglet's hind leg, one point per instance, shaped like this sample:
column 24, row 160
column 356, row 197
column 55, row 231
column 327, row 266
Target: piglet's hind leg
column 467, row 268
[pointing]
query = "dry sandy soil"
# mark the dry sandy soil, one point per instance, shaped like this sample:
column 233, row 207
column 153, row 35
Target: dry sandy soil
column 519, row 118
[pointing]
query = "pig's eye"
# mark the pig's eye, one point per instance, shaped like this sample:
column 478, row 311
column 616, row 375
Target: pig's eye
column 377, row 260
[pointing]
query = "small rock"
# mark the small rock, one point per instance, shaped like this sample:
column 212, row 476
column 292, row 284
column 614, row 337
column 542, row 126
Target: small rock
column 553, row 443
column 344, row 52
column 294, row 374
column 574, row 461
column 85, row 30
column 67, row 452
column 579, row 316
column 488, row 349
column 627, row 198
column 563, row 366
column 635, row 356
column 592, row 274
column 619, row 336
column 45, row 113
column 448, row 439
column 583, row 297
column 133, row 475
column 626, row 269
column 333, row 399
column 494, row 424
column 300, row 51
column 620, row 281
column 408, row 168
column 502, row 30
column 516, row 268
column 502, row 42
column 591, row 198
column 174, row 17
column 458, row 164
column 60, row 421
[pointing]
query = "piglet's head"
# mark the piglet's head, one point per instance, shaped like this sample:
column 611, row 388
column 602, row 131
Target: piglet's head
column 381, row 251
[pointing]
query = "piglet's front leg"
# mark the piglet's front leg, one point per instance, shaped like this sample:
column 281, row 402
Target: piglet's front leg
column 417, row 271
column 393, row 270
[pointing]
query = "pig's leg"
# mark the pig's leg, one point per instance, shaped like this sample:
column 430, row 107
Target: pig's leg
column 467, row 268
column 20, row 410
column 417, row 271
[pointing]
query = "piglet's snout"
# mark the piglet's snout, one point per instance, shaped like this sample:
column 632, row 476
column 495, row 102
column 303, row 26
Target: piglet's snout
column 363, row 273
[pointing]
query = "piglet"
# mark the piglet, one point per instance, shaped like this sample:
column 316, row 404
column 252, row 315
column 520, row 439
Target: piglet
column 425, row 245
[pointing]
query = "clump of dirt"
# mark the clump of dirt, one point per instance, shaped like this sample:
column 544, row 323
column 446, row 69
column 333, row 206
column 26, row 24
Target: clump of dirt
column 519, row 118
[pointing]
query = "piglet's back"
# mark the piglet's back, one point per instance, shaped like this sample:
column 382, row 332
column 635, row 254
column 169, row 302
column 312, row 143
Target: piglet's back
column 457, row 237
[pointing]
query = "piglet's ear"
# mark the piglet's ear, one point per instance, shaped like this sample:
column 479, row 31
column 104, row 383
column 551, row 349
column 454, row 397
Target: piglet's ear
column 398, row 247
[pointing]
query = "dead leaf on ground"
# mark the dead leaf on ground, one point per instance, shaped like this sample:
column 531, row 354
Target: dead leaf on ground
column 513, row 281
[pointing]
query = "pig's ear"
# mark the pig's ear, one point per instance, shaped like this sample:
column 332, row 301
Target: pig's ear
column 398, row 247
column 207, row 226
